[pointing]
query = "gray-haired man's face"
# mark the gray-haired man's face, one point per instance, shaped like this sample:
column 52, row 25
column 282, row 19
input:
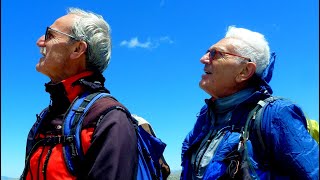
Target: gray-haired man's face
column 220, row 71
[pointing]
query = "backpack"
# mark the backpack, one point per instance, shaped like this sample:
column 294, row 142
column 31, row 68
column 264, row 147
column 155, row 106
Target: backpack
column 256, row 116
column 165, row 169
column 150, row 148
column 238, row 160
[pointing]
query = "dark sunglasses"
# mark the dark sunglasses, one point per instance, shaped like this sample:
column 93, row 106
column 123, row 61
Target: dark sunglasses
column 47, row 34
column 213, row 53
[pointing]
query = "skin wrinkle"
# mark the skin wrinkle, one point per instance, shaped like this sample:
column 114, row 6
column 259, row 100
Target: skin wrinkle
column 60, row 61
column 279, row 145
column 222, row 80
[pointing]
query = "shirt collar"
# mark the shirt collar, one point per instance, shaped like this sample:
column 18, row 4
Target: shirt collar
column 72, row 91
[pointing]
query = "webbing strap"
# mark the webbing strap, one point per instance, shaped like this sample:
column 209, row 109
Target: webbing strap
column 257, row 124
column 258, row 118
column 54, row 140
column 31, row 143
column 72, row 127
column 45, row 164
column 82, row 108
column 251, row 117
column 255, row 115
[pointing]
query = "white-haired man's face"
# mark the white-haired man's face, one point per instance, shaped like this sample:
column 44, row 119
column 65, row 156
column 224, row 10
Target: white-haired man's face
column 222, row 71
column 62, row 58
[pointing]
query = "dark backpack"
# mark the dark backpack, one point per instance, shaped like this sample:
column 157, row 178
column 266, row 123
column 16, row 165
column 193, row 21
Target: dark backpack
column 150, row 148
column 253, row 125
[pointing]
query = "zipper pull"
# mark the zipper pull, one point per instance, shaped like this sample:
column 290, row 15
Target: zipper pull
column 241, row 142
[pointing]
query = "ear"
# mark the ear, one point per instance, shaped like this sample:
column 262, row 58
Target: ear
column 247, row 72
column 79, row 49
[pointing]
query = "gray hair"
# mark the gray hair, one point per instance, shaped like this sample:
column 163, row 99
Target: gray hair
column 252, row 45
column 95, row 31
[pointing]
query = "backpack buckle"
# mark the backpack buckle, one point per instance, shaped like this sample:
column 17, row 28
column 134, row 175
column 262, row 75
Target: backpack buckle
column 68, row 139
column 244, row 136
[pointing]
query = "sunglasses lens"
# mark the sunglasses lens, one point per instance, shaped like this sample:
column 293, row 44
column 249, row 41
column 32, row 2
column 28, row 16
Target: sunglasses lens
column 46, row 34
column 212, row 54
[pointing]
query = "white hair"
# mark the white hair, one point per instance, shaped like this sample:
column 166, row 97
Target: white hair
column 95, row 31
column 252, row 45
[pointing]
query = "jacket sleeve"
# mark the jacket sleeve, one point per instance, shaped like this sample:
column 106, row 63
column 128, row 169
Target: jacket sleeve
column 293, row 150
column 113, row 153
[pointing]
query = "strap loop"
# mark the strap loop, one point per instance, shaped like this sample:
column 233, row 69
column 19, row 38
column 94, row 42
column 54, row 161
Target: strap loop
column 54, row 140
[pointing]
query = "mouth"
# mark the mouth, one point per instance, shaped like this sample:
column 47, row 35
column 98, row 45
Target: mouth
column 43, row 51
column 207, row 72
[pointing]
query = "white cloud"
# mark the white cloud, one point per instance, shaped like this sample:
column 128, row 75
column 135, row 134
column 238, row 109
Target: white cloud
column 134, row 42
column 166, row 39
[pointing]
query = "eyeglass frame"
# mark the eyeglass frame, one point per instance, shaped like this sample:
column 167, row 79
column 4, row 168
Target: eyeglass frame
column 55, row 30
column 222, row 52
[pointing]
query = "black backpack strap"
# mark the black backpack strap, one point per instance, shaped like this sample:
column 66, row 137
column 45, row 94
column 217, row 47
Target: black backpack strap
column 257, row 118
column 32, row 143
column 253, row 124
column 73, row 119
column 238, row 160
column 34, row 130
column 70, row 135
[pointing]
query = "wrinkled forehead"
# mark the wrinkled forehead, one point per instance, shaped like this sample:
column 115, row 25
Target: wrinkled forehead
column 226, row 45
column 64, row 23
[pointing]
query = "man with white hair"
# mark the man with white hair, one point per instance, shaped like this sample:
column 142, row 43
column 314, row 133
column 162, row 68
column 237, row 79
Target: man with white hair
column 225, row 142
column 75, row 51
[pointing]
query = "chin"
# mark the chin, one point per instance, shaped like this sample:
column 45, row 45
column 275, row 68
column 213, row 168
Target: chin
column 202, row 84
column 206, row 88
column 203, row 87
column 38, row 67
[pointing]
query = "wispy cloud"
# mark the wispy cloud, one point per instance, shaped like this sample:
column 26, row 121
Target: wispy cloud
column 149, row 44
column 166, row 39
column 134, row 42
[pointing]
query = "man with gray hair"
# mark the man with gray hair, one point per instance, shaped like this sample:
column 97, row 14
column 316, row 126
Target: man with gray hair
column 230, row 140
column 75, row 51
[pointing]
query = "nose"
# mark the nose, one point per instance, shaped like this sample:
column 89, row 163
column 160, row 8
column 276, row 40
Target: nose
column 41, row 41
column 205, row 59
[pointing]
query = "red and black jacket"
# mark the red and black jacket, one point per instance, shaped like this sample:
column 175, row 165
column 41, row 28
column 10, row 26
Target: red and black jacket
column 110, row 147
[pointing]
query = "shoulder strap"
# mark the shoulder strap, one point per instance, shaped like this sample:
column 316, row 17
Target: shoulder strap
column 72, row 127
column 34, row 130
column 256, row 115
column 31, row 142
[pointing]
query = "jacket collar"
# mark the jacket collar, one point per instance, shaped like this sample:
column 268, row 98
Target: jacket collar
column 62, row 94
column 66, row 88
column 73, row 90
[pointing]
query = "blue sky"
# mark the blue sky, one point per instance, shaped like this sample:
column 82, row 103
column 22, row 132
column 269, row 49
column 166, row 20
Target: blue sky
column 154, row 68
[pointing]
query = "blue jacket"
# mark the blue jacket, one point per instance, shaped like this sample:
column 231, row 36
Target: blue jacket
column 291, row 153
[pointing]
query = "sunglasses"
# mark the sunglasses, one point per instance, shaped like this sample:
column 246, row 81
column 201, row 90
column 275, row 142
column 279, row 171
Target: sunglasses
column 213, row 53
column 48, row 34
